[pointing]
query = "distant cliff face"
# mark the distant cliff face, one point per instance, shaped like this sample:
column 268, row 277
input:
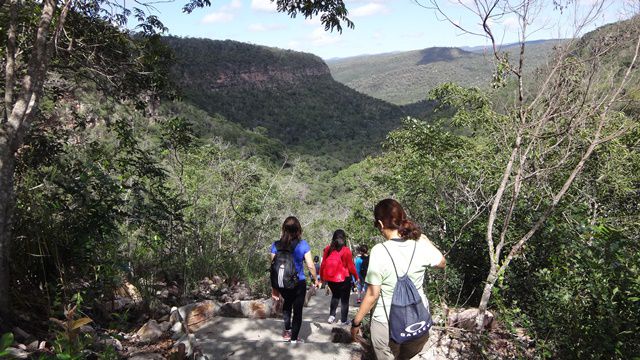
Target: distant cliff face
column 290, row 94
column 266, row 76
column 213, row 64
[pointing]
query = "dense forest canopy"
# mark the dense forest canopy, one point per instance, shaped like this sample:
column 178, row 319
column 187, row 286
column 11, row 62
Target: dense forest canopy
column 288, row 94
column 149, row 159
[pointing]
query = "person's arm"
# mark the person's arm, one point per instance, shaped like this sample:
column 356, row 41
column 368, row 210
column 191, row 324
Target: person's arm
column 437, row 254
column 436, row 259
column 308, row 259
column 370, row 298
column 347, row 258
column 322, row 265
column 275, row 294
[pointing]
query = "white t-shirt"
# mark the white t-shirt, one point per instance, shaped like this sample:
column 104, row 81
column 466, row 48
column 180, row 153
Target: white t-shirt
column 381, row 271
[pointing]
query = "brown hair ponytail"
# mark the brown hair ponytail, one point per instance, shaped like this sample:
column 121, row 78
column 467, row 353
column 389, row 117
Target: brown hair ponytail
column 291, row 231
column 392, row 216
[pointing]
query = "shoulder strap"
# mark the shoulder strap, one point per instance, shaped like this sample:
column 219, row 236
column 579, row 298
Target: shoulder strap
column 394, row 264
column 396, row 271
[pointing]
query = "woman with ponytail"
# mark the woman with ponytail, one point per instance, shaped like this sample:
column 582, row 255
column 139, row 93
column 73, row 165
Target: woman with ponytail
column 336, row 269
column 409, row 250
column 291, row 241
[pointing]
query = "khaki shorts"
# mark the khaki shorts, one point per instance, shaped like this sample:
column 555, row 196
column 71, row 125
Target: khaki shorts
column 390, row 350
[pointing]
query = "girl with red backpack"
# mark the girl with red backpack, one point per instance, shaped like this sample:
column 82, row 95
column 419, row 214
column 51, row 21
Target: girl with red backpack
column 336, row 269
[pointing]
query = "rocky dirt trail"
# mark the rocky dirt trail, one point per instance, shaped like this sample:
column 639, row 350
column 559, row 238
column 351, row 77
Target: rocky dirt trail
column 242, row 338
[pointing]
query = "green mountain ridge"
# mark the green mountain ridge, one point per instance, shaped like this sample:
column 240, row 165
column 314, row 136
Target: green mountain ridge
column 284, row 94
column 406, row 77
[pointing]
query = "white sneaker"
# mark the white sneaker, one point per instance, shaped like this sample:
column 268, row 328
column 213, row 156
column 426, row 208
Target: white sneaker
column 332, row 319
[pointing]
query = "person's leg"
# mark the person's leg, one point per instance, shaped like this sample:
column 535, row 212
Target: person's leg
column 360, row 286
column 288, row 295
column 380, row 340
column 298, row 303
column 344, row 300
column 335, row 297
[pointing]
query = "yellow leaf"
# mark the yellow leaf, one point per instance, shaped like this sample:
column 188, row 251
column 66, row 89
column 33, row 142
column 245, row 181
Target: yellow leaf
column 80, row 323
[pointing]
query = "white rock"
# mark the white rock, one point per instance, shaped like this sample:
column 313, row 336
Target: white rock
column 149, row 332
column 33, row 346
column 17, row 353
column 177, row 331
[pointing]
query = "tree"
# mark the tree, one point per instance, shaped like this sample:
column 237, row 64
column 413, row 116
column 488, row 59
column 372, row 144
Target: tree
column 36, row 33
column 557, row 120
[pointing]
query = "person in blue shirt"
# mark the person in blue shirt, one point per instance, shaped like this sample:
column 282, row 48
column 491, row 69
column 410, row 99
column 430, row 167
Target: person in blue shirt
column 294, row 298
column 362, row 263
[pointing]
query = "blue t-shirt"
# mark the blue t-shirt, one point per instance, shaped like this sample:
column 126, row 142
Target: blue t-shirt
column 358, row 265
column 298, row 256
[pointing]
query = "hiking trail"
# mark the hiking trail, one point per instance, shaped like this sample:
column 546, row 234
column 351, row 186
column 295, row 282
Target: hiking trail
column 242, row 338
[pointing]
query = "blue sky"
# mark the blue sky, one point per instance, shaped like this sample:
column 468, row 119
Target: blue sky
column 380, row 25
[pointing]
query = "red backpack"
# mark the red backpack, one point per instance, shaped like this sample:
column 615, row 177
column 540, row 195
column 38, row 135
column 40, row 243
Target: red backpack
column 333, row 268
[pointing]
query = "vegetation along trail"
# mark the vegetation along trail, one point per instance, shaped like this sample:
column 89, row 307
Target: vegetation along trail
column 142, row 173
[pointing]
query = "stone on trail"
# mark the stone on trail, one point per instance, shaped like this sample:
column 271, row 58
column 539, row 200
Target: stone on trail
column 466, row 319
column 198, row 314
column 261, row 338
column 149, row 332
column 147, row 356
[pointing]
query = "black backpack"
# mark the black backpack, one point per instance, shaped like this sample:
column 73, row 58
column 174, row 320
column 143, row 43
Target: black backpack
column 408, row 317
column 364, row 266
column 283, row 268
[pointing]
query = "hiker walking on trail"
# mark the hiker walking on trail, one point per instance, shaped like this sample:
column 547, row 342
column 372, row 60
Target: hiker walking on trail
column 362, row 265
column 336, row 269
column 316, row 263
column 401, row 320
column 288, row 256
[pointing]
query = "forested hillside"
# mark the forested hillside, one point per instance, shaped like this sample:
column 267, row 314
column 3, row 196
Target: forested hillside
column 151, row 172
column 288, row 95
column 406, row 77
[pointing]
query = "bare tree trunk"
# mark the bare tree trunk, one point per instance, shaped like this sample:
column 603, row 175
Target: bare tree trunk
column 7, row 200
column 12, row 132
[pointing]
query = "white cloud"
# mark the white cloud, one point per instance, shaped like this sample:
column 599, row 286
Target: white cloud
column 217, row 17
column 314, row 21
column 320, row 37
column 263, row 5
column 233, row 5
column 266, row 27
column 368, row 10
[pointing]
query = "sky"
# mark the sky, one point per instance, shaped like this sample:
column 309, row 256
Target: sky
column 381, row 26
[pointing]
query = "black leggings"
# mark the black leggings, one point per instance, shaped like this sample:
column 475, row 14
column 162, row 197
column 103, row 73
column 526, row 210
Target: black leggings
column 340, row 291
column 293, row 300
